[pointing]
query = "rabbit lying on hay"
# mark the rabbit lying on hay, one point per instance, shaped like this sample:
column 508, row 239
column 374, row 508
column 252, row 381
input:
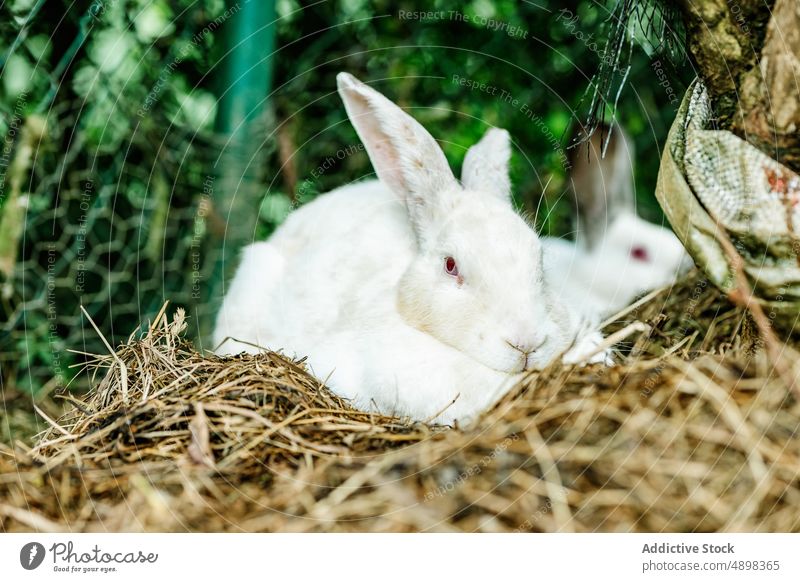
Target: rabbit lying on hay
column 413, row 294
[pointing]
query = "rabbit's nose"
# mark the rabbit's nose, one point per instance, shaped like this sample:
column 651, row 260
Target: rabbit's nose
column 528, row 345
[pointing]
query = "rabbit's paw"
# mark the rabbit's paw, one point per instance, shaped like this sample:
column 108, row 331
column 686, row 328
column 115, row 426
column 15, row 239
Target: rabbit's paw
column 585, row 351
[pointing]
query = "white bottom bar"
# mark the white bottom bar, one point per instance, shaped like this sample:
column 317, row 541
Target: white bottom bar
column 388, row 557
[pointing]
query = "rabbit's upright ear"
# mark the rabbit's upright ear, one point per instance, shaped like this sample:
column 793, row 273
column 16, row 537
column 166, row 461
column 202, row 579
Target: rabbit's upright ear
column 486, row 164
column 405, row 156
column 602, row 185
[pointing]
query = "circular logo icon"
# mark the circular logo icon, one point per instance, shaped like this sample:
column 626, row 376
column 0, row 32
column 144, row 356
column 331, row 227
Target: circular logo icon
column 31, row 555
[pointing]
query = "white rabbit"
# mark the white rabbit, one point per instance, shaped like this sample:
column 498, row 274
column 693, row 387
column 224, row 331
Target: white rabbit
column 411, row 295
column 617, row 255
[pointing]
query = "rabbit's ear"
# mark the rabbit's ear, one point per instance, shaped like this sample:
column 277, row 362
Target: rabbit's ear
column 486, row 164
column 405, row 156
column 602, row 185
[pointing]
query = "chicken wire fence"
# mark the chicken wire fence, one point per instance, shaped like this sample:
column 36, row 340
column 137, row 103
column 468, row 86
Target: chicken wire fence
column 114, row 232
column 108, row 169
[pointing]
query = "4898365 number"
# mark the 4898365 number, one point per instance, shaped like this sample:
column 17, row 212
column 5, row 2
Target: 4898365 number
column 750, row 565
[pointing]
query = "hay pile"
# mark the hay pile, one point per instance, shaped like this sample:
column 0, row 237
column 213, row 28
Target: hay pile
column 692, row 431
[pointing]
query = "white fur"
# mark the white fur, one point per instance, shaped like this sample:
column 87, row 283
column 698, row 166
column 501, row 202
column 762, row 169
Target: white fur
column 605, row 278
column 355, row 280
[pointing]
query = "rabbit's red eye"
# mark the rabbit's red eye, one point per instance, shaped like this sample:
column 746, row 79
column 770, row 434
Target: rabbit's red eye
column 450, row 266
column 640, row 254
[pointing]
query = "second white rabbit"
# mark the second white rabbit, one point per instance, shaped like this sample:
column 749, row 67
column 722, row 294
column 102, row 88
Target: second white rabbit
column 617, row 255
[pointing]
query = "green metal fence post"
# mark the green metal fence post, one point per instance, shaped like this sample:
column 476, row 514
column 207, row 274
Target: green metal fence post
column 244, row 83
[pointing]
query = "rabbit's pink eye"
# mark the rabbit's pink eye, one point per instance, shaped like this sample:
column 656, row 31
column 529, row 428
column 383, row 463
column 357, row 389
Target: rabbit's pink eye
column 450, row 266
column 640, row 254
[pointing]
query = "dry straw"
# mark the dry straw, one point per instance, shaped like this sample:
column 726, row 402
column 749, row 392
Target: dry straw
column 691, row 431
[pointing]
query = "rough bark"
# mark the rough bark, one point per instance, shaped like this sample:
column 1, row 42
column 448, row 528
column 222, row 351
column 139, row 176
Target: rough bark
column 748, row 54
column 769, row 108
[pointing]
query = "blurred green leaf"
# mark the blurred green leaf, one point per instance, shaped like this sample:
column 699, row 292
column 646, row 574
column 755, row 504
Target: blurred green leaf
column 17, row 75
column 275, row 208
column 154, row 21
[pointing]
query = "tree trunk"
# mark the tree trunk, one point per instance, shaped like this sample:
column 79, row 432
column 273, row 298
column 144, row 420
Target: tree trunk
column 748, row 54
